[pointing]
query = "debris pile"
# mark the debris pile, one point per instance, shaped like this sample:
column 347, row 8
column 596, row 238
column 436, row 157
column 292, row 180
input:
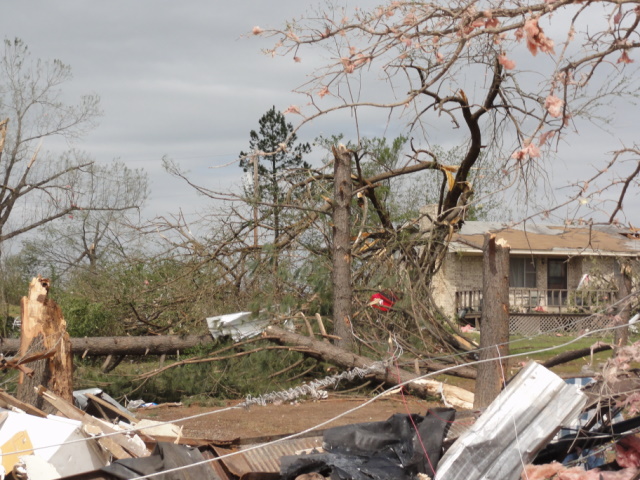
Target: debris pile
column 515, row 437
column 539, row 427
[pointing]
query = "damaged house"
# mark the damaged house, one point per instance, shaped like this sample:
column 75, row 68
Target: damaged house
column 559, row 275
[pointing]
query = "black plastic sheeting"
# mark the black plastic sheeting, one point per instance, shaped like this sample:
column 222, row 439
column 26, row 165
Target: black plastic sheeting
column 165, row 456
column 558, row 450
column 396, row 449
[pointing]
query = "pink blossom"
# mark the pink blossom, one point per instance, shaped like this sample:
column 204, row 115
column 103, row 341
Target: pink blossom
column 617, row 17
column 519, row 34
column 348, row 65
column 297, row 59
column 292, row 109
column 410, row 19
column 624, row 58
column 554, row 106
column 439, row 57
column 545, row 136
column 506, row 63
column 530, row 150
column 257, row 30
column 361, row 59
column 323, row 92
column 492, row 23
column 406, row 41
column 536, row 39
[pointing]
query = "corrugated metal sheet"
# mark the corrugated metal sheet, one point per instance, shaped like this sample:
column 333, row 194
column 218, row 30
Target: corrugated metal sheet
column 520, row 421
column 264, row 458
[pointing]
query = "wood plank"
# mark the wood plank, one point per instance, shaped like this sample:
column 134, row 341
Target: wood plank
column 112, row 408
column 14, row 402
column 120, row 446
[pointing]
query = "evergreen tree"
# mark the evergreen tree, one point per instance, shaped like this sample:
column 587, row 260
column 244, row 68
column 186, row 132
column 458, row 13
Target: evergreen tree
column 273, row 168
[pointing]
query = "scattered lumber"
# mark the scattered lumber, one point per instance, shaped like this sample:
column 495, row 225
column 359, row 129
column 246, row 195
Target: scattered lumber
column 119, row 446
column 7, row 401
column 455, row 396
column 44, row 331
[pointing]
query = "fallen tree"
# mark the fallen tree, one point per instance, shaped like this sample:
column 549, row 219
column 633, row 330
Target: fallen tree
column 390, row 374
column 104, row 346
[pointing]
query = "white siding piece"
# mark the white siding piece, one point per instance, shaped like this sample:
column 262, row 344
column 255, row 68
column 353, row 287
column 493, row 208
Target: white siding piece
column 519, row 422
column 239, row 325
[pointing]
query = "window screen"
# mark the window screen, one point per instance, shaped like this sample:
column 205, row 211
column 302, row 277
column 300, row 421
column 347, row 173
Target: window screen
column 522, row 273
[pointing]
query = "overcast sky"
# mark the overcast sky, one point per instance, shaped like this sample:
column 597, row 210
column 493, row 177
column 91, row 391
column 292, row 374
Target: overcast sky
column 175, row 78
column 179, row 79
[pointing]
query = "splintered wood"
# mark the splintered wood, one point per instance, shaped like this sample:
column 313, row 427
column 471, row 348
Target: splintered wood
column 44, row 330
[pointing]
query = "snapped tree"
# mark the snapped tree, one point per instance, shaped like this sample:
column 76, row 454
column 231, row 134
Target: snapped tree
column 462, row 72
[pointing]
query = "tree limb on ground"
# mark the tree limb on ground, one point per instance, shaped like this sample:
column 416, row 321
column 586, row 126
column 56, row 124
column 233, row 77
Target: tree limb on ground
column 565, row 357
column 392, row 375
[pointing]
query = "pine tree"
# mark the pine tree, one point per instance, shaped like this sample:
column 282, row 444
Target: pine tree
column 273, row 168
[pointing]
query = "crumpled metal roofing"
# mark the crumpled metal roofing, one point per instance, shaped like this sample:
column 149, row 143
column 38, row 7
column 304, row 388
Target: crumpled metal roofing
column 265, row 459
column 520, row 421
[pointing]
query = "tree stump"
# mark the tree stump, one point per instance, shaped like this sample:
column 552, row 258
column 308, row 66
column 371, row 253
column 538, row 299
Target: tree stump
column 341, row 250
column 44, row 329
column 494, row 326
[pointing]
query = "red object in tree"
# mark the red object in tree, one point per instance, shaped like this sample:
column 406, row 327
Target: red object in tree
column 383, row 301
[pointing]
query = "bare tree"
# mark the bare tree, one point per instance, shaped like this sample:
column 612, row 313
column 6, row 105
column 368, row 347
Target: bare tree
column 87, row 236
column 33, row 183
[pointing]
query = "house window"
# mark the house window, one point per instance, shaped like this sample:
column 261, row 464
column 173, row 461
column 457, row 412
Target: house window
column 522, row 273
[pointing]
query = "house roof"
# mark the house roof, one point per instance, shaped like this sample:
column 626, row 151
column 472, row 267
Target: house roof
column 550, row 240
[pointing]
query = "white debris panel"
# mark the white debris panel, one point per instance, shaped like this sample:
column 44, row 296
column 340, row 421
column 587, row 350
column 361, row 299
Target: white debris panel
column 238, row 326
column 520, row 421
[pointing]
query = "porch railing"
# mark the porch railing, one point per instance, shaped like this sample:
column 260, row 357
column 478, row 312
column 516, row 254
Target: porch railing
column 523, row 300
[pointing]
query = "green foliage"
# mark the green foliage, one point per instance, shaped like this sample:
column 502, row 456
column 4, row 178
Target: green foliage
column 87, row 319
column 203, row 382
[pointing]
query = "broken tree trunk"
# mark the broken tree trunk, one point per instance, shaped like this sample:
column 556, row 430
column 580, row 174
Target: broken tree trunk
column 458, row 397
column 494, row 326
column 43, row 329
column 116, row 346
column 621, row 321
column 341, row 252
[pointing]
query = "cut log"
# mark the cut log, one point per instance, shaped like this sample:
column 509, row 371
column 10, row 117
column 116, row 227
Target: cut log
column 104, row 346
column 455, row 396
column 43, row 329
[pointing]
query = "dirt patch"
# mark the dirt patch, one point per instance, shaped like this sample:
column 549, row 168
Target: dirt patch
column 224, row 423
